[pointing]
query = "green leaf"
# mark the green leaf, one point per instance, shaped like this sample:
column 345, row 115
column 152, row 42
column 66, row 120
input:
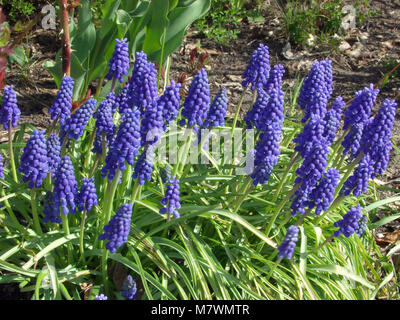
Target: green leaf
column 18, row 56
column 338, row 270
column 155, row 28
column 180, row 19
column 85, row 39
column 55, row 244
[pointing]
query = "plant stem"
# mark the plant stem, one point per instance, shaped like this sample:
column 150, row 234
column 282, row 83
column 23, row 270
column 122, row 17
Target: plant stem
column 11, row 151
column 91, row 140
column 108, row 207
column 82, row 250
column 65, row 223
column 36, row 222
column 66, row 41
column 239, row 106
column 96, row 162
column 11, row 212
column 279, row 208
column 294, row 158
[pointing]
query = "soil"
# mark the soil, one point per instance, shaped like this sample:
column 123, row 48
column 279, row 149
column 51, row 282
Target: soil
column 371, row 46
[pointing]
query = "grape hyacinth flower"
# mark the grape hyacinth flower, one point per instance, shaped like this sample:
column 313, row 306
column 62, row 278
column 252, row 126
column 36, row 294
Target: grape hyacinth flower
column 197, row 102
column 316, row 90
column 50, row 211
column 169, row 102
column 275, row 79
column 309, row 174
column 152, row 124
column 286, row 249
column 362, row 225
column 357, row 117
column 273, row 114
column 312, row 133
column 65, row 186
column 349, row 224
column 377, row 134
column 258, row 108
column 125, row 146
column 172, row 198
column 144, row 166
column 143, row 84
column 332, row 120
column 360, row 108
column 119, row 63
column 87, row 197
column 129, row 288
column 117, row 230
column 100, row 297
column 75, row 125
column 323, row 195
column 34, row 160
column 258, row 69
column 62, row 105
column 266, row 154
column 9, row 111
column 104, row 116
column 122, row 100
column 53, row 153
column 358, row 182
column 216, row 114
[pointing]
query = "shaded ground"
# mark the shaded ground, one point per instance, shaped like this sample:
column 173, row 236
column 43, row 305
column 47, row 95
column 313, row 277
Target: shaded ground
column 377, row 42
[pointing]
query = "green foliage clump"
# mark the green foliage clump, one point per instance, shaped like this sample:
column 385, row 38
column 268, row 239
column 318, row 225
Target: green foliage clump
column 18, row 8
column 320, row 19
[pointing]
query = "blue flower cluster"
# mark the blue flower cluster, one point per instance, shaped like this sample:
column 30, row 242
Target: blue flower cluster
column 362, row 226
column 50, row 211
column 143, row 84
column 100, row 297
column 172, row 198
column 350, row 222
column 309, row 174
column 216, row 114
column 144, row 166
column 122, row 100
column 53, row 152
column 129, row 288
column 358, row 181
column 117, row 230
column 316, row 90
column 258, row 69
column 377, row 136
column 119, row 63
column 65, row 186
column 34, row 160
column 322, row 196
column 197, row 102
column 275, row 79
column 62, row 105
column 356, row 117
column 286, row 249
column 169, row 102
column 266, row 154
column 75, row 125
column 312, row 133
column 87, row 197
column 9, row 112
column 332, row 120
column 125, row 146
